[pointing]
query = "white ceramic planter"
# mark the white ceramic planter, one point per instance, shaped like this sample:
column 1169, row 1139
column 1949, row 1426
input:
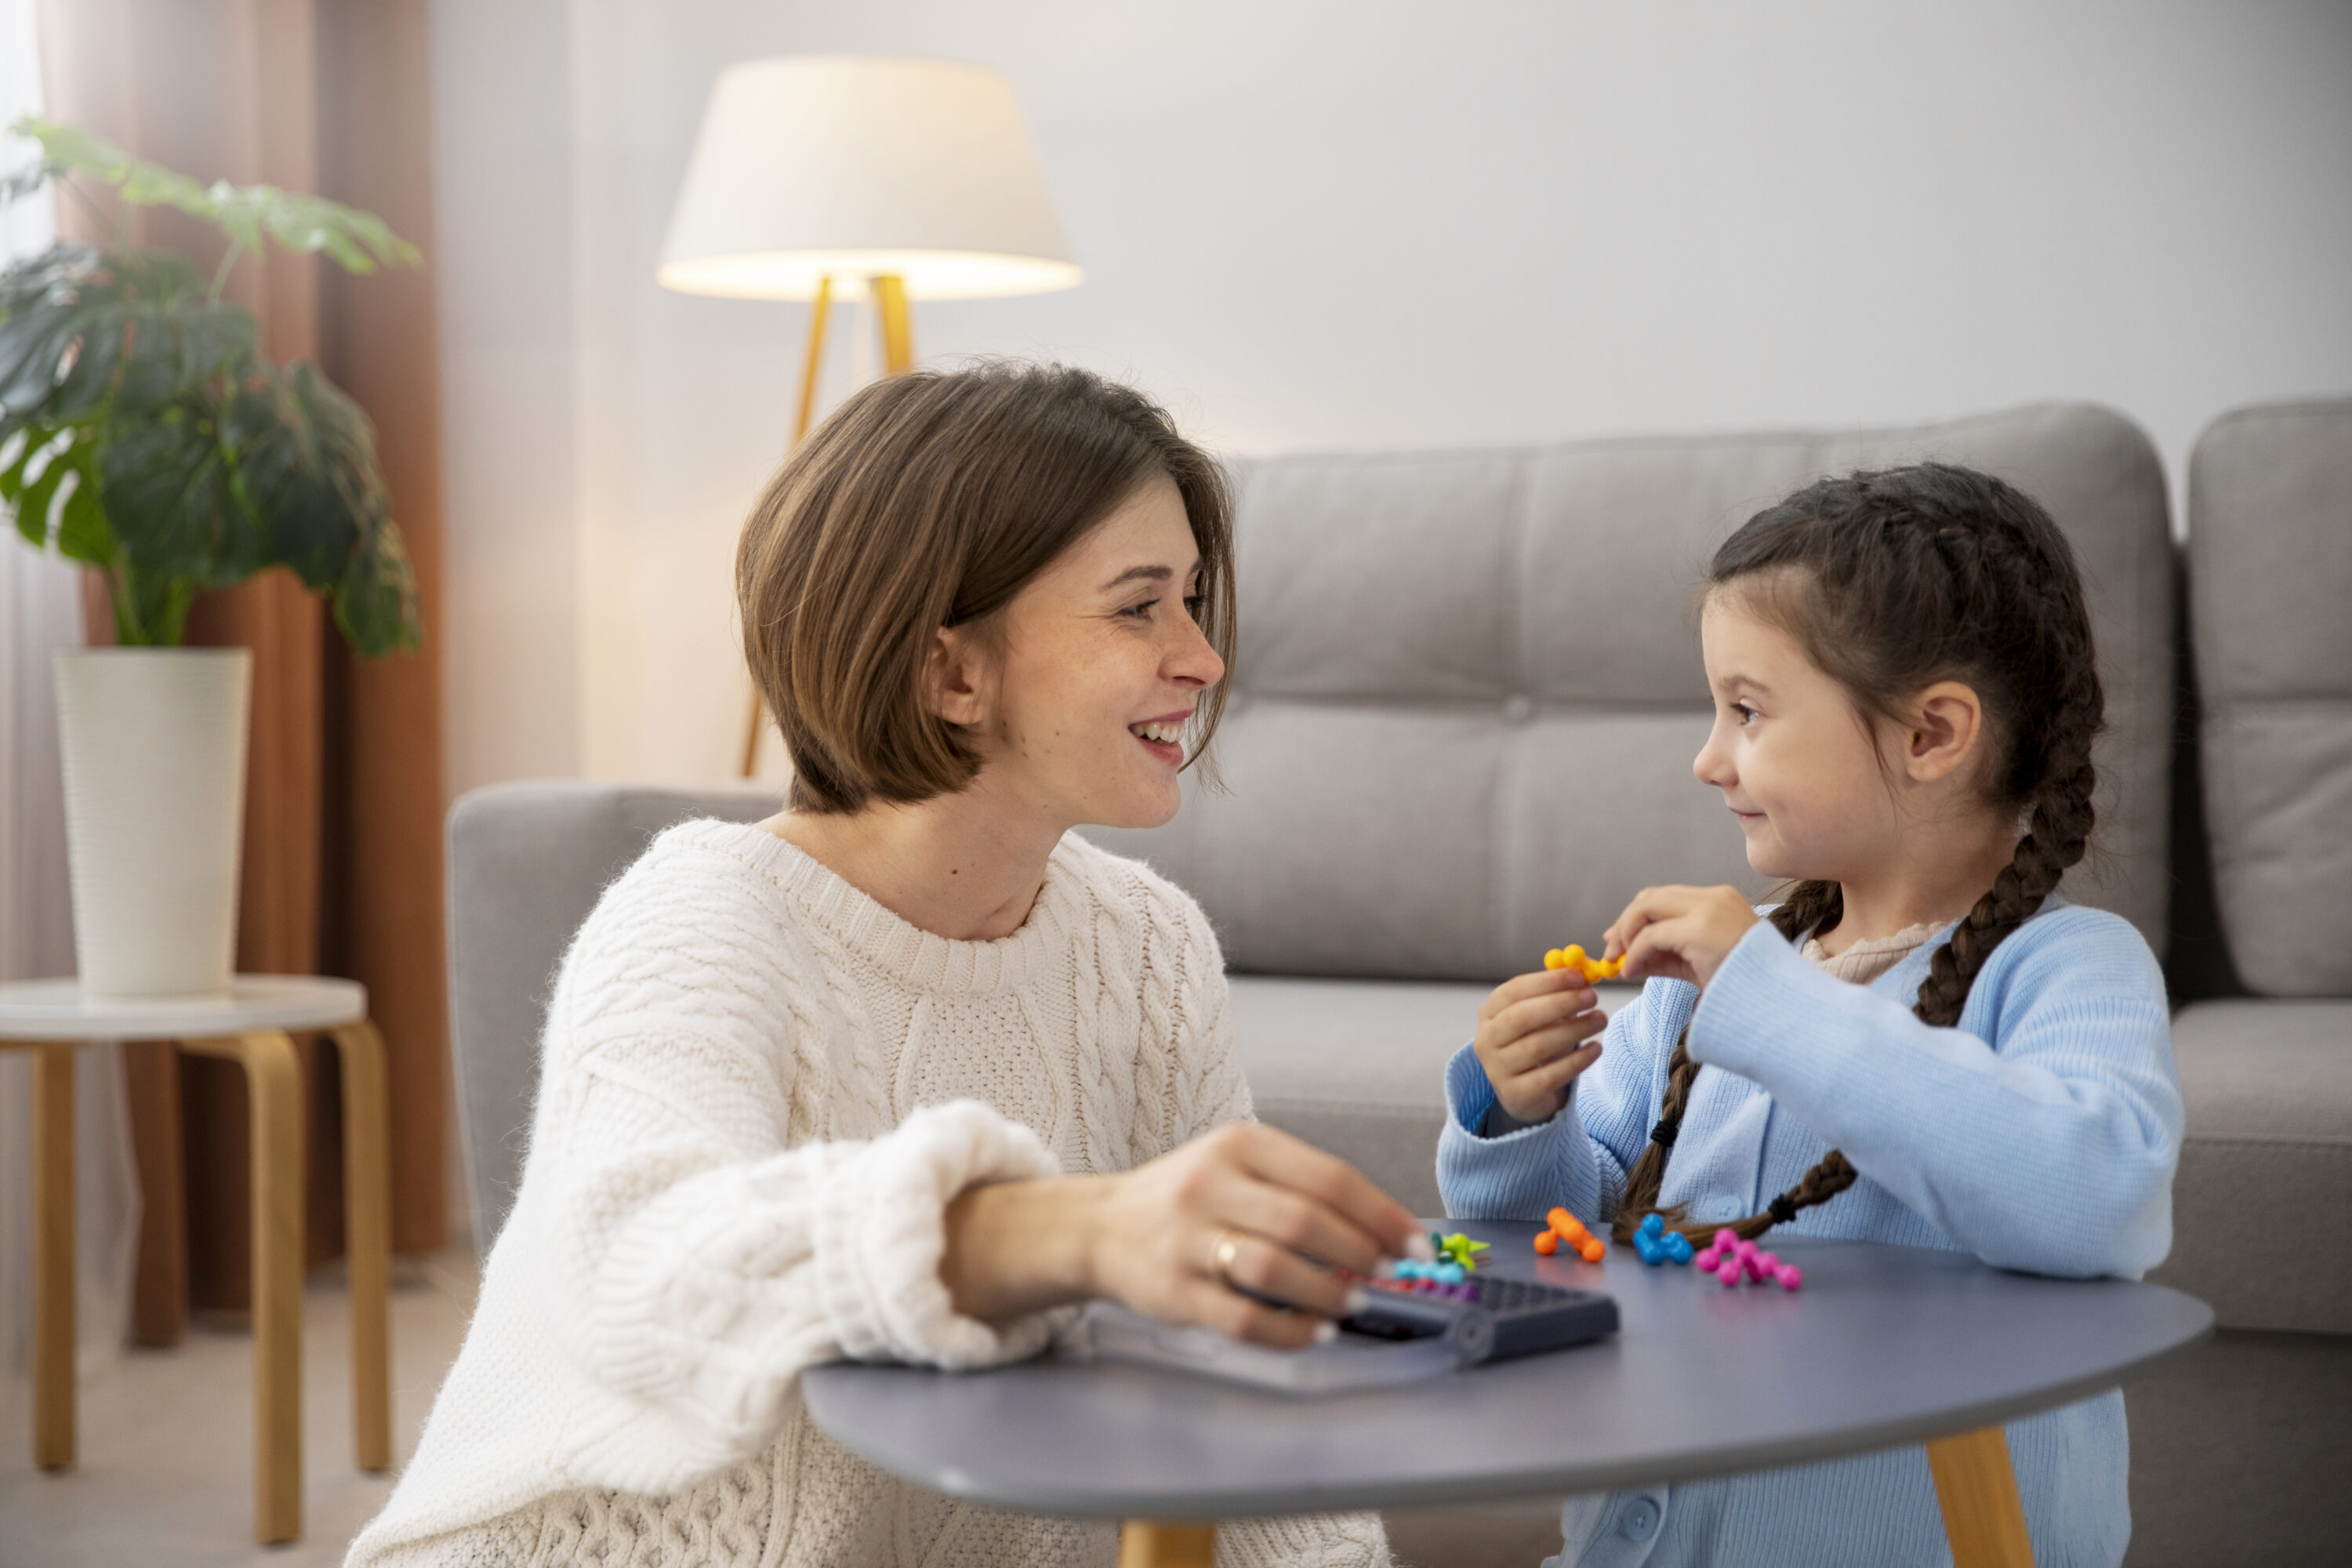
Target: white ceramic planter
column 154, row 741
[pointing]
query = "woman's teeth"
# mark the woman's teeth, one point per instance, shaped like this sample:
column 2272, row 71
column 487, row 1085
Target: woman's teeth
column 1165, row 734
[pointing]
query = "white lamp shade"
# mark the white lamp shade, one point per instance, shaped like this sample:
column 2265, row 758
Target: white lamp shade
column 809, row 166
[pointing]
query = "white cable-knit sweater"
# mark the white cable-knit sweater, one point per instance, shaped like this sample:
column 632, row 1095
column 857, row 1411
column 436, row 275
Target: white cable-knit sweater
column 759, row 1090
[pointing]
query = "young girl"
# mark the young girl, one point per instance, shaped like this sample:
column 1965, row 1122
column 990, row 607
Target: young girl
column 1923, row 1044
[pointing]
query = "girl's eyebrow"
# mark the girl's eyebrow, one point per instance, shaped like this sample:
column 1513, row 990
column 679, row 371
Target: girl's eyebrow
column 1735, row 680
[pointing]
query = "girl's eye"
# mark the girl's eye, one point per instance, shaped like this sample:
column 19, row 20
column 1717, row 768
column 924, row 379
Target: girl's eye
column 1745, row 713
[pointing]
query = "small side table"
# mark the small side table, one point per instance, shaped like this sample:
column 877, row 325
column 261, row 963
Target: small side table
column 248, row 1025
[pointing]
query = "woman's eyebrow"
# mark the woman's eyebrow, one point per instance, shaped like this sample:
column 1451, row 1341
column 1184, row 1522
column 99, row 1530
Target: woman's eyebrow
column 1140, row 573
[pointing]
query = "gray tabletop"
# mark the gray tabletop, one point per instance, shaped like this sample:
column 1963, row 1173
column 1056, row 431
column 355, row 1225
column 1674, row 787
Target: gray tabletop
column 1884, row 1345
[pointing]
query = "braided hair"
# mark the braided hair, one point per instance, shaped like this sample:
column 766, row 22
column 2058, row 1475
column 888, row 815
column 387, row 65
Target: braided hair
column 1891, row 582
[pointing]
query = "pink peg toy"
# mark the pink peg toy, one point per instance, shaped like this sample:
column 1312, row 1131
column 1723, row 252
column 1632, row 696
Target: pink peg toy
column 1729, row 1273
column 1790, row 1276
column 1705, row 1262
column 1726, row 1240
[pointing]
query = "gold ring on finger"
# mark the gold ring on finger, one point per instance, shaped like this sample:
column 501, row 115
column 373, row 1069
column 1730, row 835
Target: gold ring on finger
column 1222, row 1254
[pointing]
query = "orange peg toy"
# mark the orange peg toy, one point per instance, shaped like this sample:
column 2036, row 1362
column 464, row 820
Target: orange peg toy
column 1572, row 957
column 1566, row 1228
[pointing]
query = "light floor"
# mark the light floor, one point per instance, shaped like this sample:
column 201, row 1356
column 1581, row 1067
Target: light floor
column 166, row 1441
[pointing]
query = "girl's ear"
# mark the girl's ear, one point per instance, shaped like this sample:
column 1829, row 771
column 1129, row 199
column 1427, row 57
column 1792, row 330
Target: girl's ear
column 959, row 679
column 1945, row 730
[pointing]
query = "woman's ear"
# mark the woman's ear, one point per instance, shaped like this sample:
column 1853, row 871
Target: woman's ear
column 959, row 683
column 1946, row 729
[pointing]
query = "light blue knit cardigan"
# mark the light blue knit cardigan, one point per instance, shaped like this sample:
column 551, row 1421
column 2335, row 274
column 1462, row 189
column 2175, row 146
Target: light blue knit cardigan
column 2040, row 1134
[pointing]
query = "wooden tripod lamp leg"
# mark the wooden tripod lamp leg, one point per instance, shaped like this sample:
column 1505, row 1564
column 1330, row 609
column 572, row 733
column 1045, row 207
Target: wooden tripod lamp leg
column 273, row 1078
column 1147, row 1545
column 820, row 315
column 1978, row 1489
column 53, row 1255
column 367, row 1239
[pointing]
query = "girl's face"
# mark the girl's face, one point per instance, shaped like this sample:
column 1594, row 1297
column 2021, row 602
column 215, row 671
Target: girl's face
column 1100, row 669
column 1794, row 759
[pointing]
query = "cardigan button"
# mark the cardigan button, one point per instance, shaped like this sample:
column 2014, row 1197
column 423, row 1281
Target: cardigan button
column 1640, row 1521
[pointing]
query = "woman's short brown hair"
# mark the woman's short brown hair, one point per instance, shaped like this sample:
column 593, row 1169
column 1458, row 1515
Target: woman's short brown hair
column 927, row 500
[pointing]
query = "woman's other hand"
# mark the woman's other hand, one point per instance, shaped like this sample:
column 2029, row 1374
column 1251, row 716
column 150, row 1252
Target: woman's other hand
column 1284, row 1214
column 1680, row 933
column 1535, row 1033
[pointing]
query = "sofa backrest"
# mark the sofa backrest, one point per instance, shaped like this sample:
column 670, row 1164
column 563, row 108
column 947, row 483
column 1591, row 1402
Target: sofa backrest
column 2270, row 616
column 1469, row 687
column 527, row 862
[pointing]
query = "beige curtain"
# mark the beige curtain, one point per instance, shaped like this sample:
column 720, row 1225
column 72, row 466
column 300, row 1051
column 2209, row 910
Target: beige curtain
column 341, row 869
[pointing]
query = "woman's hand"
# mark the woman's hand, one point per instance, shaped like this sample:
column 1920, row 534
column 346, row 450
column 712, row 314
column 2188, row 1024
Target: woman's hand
column 1535, row 1033
column 1680, row 933
column 1150, row 1237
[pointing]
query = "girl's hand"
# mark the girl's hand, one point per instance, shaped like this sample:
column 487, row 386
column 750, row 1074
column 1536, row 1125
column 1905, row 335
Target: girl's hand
column 1150, row 1237
column 1535, row 1034
column 1682, row 933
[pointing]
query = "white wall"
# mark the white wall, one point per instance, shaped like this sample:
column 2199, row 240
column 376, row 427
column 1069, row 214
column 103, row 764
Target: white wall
column 1362, row 225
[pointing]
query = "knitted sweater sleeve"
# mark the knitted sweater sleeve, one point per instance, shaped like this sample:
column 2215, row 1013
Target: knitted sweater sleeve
column 693, row 1262
column 2040, row 1134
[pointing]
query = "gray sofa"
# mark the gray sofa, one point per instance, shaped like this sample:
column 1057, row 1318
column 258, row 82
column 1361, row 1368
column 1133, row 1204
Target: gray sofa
column 1462, row 718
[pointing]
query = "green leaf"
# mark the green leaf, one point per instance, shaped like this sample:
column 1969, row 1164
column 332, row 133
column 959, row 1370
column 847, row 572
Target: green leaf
column 358, row 241
column 170, row 494
column 66, row 486
column 81, row 329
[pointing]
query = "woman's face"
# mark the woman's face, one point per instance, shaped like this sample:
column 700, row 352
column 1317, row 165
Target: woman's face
column 1102, row 666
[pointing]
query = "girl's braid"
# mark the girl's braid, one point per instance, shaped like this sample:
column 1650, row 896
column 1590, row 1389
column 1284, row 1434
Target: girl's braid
column 1995, row 552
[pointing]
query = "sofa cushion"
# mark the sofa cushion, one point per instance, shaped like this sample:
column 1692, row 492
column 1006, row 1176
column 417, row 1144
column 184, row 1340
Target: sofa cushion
column 2266, row 1168
column 1469, row 687
column 527, row 862
column 2270, row 567
column 1358, row 1068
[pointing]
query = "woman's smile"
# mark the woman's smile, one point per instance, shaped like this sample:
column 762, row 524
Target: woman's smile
column 1164, row 737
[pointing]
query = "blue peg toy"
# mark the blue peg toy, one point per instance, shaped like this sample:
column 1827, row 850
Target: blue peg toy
column 1657, row 1245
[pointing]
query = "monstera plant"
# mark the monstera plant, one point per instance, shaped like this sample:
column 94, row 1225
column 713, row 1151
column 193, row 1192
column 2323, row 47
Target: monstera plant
column 143, row 433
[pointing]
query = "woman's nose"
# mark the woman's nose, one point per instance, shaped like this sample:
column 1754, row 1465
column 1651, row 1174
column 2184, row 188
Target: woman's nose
column 1195, row 661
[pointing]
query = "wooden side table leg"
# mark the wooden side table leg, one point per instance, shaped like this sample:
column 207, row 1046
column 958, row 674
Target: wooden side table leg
column 52, row 1257
column 367, row 1239
column 1978, row 1489
column 273, row 1076
column 1142, row 1544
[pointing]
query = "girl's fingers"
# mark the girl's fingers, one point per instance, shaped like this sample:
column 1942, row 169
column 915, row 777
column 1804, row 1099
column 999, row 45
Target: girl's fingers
column 1524, row 987
column 1542, row 1013
column 1556, row 1076
column 1542, row 1046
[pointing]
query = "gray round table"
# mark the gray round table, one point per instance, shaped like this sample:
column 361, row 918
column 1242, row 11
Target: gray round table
column 1885, row 1345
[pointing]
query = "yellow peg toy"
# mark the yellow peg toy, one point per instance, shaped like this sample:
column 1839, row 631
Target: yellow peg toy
column 1572, row 957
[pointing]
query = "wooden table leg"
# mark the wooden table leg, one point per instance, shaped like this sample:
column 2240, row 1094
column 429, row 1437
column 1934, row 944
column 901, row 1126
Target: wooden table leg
column 53, row 1255
column 273, row 1076
column 1978, row 1489
column 1142, row 1544
column 367, row 1239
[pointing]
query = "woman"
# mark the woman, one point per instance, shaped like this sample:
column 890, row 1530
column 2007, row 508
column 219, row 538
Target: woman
column 909, row 1069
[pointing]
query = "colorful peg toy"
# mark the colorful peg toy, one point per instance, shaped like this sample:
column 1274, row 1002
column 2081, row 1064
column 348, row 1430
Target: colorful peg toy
column 1572, row 957
column 1658, row 1245
column 1565, row 1228
column 1457, row 1248
column 1732, row 1258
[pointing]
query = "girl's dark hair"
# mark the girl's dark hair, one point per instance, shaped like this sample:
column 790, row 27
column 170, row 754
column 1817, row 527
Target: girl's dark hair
column 930, row 500
column 1891, row 582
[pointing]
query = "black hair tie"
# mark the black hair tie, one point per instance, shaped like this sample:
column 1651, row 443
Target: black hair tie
column 1783, row 1209
column 1663, row 1134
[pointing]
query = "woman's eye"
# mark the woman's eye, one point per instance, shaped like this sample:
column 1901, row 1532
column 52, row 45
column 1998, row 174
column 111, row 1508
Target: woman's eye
column 1195, row 604
column 1141, row 612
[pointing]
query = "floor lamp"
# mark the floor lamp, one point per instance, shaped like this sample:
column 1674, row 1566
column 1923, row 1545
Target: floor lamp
column 825, row 178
